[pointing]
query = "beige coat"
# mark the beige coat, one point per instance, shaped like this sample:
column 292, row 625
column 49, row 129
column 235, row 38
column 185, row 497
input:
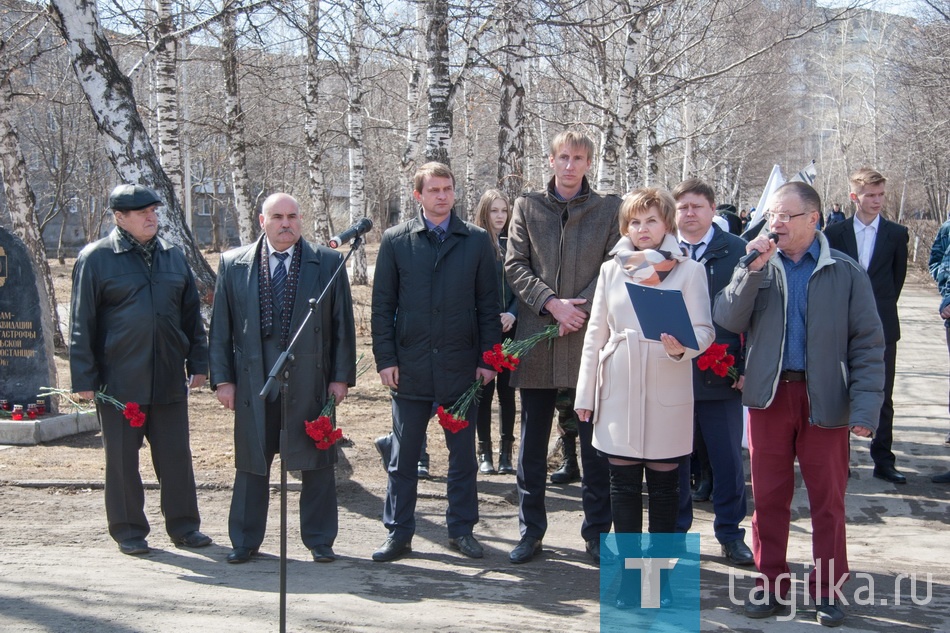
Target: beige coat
column 555, row 249
column 641, row 398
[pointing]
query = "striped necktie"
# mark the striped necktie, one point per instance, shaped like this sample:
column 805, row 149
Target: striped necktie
column 439, row 232
column 278, row 280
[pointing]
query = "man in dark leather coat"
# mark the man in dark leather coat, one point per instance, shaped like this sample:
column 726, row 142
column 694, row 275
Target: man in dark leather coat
column 136, row 334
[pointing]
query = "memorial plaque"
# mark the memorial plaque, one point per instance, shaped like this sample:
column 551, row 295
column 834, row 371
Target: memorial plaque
column 26, row 361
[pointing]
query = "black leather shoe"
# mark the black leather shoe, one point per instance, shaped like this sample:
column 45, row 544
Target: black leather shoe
column 759, row 607
column 240, row 555
column 593, row 549
column 391, row 549
column 134, row 546
column 828, row 613
column 323, row 554
column 526, row 549
column 702, row 491
column 889, row 473
column 738, row 553
column 384, row 446
column 467, row 545
column 192, row 539
column 941, row 479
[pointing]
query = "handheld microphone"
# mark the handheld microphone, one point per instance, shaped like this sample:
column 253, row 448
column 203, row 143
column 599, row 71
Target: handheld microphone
column 752, row 255
column 358, row 229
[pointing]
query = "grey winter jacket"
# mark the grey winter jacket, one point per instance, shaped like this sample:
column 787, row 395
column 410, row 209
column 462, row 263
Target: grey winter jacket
column 844, row 337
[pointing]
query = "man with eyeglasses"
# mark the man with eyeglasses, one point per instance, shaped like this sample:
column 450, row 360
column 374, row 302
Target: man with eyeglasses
column 814, row 369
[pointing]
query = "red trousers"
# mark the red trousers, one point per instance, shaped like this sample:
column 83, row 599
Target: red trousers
column 777, row 435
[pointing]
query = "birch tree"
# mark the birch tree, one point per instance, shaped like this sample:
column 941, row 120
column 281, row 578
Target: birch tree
column 109, row 94
column 237, row 145
column 354, row 81
column 511, row 111
column 317, row 180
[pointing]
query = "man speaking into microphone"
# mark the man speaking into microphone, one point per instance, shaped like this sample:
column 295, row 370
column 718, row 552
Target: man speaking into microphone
column 814, row 369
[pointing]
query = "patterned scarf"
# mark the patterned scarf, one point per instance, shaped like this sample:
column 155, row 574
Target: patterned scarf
column 648, row 267
column 146, row 250
column 267, row 297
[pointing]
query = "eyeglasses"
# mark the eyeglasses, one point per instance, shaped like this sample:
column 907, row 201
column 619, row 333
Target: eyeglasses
column 783, row 217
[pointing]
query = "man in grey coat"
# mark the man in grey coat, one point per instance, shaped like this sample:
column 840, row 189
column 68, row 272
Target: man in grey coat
column 814, row 370
column 557, row 240
column 435, row 312
column 261, row 298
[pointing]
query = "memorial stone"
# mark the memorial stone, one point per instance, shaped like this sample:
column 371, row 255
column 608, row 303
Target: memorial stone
column 26, row 353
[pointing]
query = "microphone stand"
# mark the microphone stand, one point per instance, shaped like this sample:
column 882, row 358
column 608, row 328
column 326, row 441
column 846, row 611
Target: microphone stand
column 280, row 375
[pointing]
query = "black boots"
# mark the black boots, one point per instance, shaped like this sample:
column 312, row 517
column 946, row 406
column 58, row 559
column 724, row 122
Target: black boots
column 664, row 496
column 504, row 458
column 569, row 471
column 485, row 465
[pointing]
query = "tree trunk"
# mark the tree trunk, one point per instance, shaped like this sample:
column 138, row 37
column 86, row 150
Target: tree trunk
column 109, row 94
column 354, row 118
column 511, row 131
column 407, row 204
column 166, row 99
column 237, row 147
column 21, row 207
column 440, row 125
column 318, row 188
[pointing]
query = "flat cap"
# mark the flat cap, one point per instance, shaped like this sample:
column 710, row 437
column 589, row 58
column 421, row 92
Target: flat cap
column 132, row 198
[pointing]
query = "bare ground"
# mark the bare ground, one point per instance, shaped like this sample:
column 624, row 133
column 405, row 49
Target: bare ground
column 59, row 570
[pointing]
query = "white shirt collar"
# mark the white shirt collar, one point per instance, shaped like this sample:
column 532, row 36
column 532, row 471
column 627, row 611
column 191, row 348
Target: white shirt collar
column 860, row 226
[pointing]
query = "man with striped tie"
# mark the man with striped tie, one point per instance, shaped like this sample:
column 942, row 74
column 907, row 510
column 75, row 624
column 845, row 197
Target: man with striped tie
column 261, row 298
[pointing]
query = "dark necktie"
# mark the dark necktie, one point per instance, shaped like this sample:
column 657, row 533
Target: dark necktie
column 694, row 250
column 439, row 233
column 278, row 280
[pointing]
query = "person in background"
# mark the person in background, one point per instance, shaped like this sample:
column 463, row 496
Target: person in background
column 136, row 330
column 637, row 392
column 940, row 270
column 717, row 400
column 835, row 216
column 880, row 246
column 493, row 214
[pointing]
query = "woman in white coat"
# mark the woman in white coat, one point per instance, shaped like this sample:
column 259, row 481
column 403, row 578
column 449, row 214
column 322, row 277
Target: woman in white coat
column 638, row 392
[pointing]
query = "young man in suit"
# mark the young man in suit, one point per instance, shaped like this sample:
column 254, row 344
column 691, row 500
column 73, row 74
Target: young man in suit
column 880, row 246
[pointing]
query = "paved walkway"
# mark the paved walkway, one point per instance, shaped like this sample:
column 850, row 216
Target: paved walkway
column 59, row 572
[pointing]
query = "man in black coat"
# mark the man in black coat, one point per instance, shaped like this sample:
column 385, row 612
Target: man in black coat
column 260, row 300
column 880, row 246
column 717, row 401
column 136, row 332
column 435, row 311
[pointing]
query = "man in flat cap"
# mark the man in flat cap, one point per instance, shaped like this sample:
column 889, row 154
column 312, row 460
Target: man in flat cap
column 136, row 334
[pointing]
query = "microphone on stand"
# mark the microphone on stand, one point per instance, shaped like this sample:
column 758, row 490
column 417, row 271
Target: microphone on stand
column 355, row 231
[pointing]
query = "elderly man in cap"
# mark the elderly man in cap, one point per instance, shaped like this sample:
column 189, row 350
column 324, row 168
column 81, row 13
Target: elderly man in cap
column 136, row 333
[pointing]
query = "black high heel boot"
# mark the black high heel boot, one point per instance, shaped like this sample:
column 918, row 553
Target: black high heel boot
column 664, row 492
column 626, row 503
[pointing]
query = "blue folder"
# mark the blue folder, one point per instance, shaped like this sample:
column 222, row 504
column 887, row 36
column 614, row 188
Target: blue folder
column 662, row 312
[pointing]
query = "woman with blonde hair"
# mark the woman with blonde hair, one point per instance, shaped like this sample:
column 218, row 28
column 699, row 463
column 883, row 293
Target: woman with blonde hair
column 493, row 214
column 638, row 392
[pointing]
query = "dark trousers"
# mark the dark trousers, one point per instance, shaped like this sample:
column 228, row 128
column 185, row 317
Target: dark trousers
column 166, row 428
column 410, row 419
column 719, row 423
column 777, row 436
column 537, row 413
column 884, row 436
column 247, row 521
column 506, row 402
